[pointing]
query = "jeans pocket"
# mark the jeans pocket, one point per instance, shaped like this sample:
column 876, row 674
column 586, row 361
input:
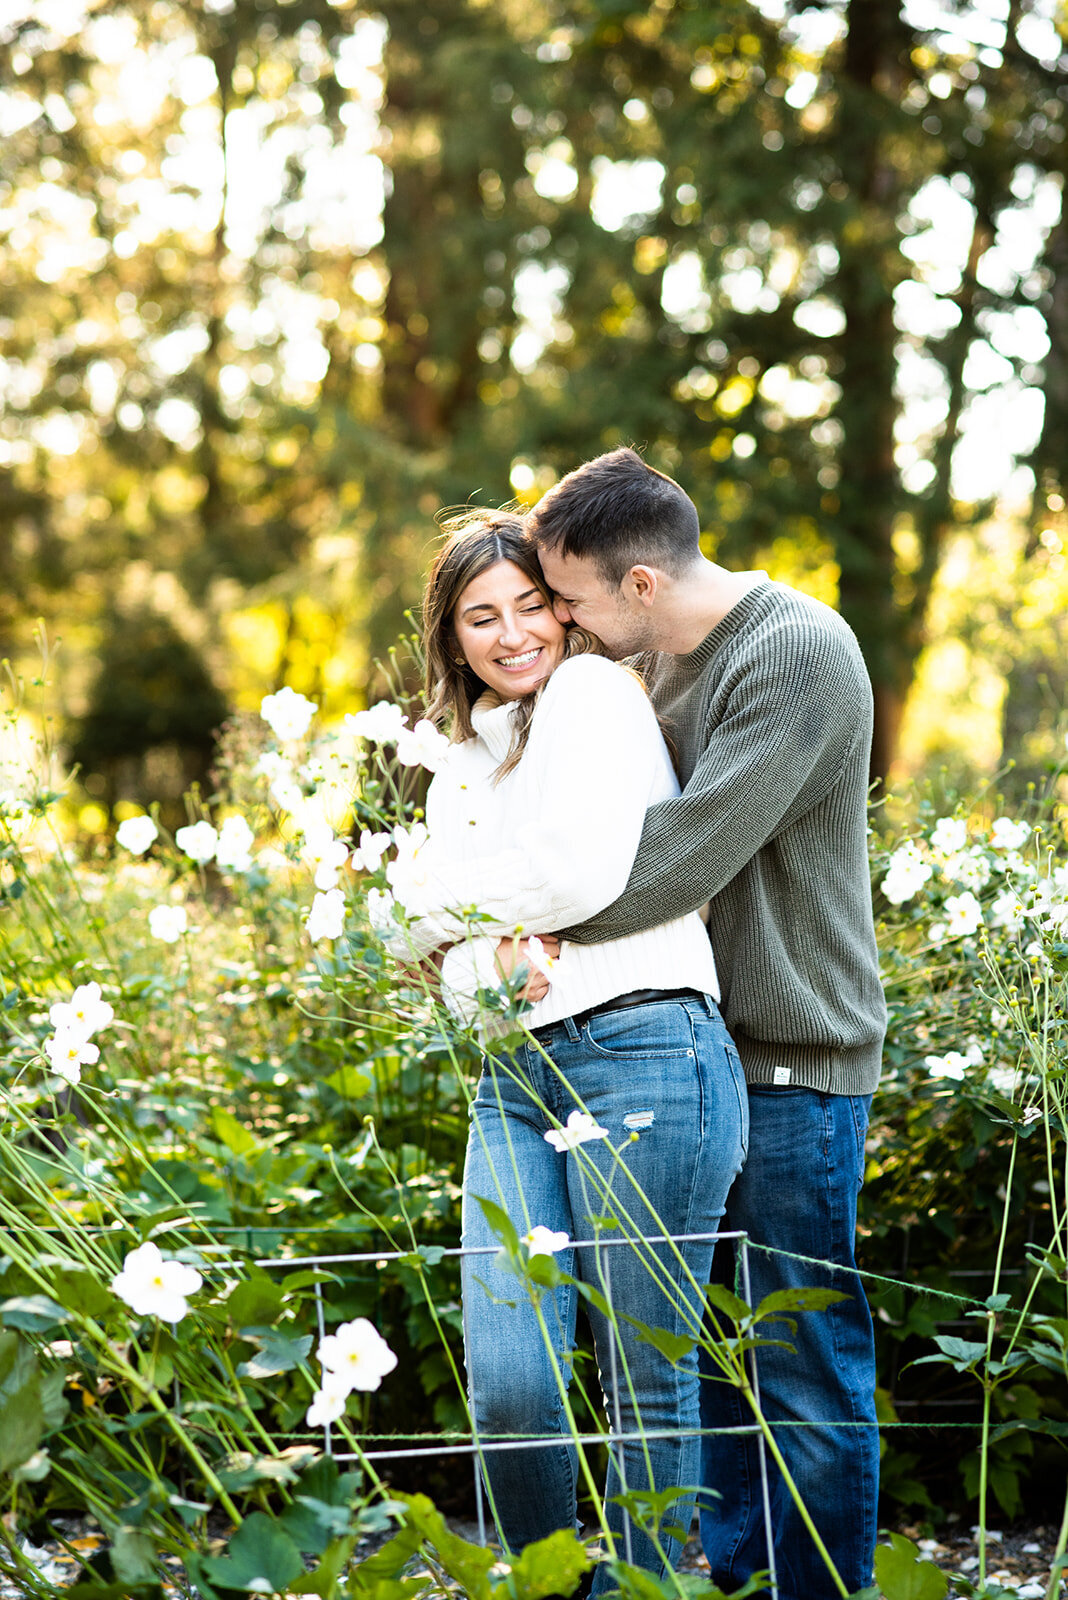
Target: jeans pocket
column 661, row 1028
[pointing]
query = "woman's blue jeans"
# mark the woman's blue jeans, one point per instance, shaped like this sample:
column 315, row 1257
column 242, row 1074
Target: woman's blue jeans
column 668, row 1073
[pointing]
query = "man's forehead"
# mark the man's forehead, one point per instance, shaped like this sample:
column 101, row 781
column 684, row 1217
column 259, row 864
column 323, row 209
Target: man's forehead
column 567, row 573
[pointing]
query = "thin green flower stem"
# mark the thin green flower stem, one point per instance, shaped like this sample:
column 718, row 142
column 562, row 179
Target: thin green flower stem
column 421, row 1273
column 623, row 1365
column 990, row 1385
column 94, row 921
column 536, row 1295
column 732, row 1365
column 1057, row 1567
column 116, row 1362
column 496, row 1063
column 82, row 1242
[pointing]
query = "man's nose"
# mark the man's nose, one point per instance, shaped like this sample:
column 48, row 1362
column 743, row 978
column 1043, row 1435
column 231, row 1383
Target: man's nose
column 562, row 611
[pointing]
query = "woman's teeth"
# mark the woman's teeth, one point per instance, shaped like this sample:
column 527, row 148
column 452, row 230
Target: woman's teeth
column 519, row 661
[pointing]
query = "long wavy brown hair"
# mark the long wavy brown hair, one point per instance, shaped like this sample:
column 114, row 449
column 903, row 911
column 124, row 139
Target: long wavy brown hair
column 474, row 542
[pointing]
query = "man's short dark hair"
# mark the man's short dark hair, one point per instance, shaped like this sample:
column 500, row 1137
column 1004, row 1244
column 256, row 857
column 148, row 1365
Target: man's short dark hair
column 620, row 513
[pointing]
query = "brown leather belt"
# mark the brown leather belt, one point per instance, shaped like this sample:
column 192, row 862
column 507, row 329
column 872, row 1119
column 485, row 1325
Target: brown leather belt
column 636, row 997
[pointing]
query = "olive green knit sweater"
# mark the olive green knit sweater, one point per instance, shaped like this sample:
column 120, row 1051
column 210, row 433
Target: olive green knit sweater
column 771, row 716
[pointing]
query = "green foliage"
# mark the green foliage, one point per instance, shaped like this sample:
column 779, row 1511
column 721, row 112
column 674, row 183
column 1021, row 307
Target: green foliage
column 259, row 1097
column 903, row 1575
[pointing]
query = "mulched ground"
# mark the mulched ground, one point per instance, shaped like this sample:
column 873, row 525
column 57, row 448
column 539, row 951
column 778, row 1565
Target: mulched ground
column 1019, row 1559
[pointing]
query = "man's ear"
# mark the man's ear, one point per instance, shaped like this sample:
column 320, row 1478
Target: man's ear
column 642, row 584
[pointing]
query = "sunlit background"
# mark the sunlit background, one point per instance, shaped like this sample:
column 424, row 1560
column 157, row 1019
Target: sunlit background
column 278, row 282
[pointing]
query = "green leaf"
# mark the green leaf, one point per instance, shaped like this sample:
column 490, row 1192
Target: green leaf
column 133, row 1556
column 233, row 1134
column 549, row 1566
column 798, row 1300
column 963, row 1355
column 53, row 1403
column 501, row 1224
column 35, row 1470
column 34, row 1313
column 256, row 1299
column 349, row 1082
column 22, row 1424
column 260, row 1551
column 672, row 1345
column 80, row 1291
column 324, row 1579
column 729, row 1304
column 467, row 1563
column 901, row 1575
column 313, row 1524
column 277, row 1353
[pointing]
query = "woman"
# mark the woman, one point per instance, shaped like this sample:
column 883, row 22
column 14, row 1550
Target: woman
column 535, row 816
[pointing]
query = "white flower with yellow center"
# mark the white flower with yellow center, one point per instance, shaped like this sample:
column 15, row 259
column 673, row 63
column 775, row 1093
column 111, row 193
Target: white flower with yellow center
column 542, row 1241
column 580, row 1128
column 85, row 1013
column 287, row 714
column 152, row 1287
column 357, row 1354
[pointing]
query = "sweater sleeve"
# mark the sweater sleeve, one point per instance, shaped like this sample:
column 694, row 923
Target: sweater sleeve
column 595, row 752
column 791, row 713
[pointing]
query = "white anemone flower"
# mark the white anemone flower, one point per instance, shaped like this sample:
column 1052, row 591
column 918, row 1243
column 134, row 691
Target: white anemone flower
column 372, row 847
column 906, row 874
column 970, row 867
column 328, row 1403
column 964, row 915
column 541, row 1241
column 1008, row 911
column 324, row 853
column 537, row 958
column 1005, row 834
column 382, row 723
column 357, row 1353
column 136, row 834
column 199, row 841
column 85, row 1013
column 580, row 1128
column 168, row 923
column 952, row 1065
column 152, row 1287
column 287, row 713
column 69, row 1053
column 424, row 746
column 326, row 919
column 949, row 835
column 411, row 874
column 234, row 850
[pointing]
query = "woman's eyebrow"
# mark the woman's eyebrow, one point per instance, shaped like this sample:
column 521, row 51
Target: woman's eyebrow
column 485, row 605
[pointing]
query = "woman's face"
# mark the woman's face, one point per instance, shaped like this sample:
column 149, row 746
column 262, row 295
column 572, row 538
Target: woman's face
column 507, row 632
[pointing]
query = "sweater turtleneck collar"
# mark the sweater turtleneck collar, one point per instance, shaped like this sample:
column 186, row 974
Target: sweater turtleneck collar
column 492, row 722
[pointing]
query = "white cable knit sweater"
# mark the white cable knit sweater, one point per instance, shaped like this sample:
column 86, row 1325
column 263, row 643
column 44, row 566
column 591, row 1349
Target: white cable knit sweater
column 554, row 841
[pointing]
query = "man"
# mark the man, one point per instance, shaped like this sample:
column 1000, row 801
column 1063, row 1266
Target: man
column 767, row 700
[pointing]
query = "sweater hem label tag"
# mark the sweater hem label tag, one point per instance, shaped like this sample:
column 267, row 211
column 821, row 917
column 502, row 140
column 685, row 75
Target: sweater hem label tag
column 781, row 1076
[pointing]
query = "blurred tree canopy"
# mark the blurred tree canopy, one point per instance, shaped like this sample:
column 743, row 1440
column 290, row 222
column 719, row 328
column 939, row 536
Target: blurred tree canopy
column 282, row 280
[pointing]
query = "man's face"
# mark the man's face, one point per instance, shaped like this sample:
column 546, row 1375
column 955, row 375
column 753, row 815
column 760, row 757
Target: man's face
column 583, row 597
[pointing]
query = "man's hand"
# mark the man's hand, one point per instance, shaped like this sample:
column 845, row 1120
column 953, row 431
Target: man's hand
column 514, row 953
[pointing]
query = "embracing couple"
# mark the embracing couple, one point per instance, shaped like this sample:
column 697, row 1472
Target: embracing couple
column 702, row 1052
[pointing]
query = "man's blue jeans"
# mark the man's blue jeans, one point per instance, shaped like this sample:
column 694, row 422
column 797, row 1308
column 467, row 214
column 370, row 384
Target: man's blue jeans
column 669, row 1073
column 798, row 1193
